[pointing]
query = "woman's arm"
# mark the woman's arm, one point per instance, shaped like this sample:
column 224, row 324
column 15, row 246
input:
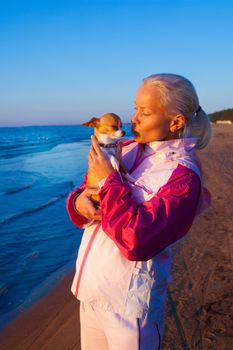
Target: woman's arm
column 80, row 207
column 75, row 217
column 142, row 231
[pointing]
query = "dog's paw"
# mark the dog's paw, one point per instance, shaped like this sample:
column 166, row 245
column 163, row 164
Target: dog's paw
column 114, row 163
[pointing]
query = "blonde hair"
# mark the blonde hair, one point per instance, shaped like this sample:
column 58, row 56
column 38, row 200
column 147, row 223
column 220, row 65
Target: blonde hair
column 178, row 96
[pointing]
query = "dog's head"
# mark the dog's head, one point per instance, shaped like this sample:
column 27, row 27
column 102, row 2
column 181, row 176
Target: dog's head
column 107, row 128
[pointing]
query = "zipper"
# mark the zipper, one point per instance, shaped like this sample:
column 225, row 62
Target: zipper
column 85, row 257
column 139, row 161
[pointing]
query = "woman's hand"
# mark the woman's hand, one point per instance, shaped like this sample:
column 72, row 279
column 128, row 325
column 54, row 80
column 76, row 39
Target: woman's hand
column 98, row 162
column 85, row 206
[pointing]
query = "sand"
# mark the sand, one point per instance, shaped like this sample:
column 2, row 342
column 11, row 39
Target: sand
column 200, row 298
column 52, row 323
column 199, row 306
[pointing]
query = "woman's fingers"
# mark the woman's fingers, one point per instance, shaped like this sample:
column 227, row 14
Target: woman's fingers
column 92, row 151
column 97, row 217
column 96, row 146
column 90, row 191
column 92, row 156
column 98, row 163
column 85, row 206
column 92, row 211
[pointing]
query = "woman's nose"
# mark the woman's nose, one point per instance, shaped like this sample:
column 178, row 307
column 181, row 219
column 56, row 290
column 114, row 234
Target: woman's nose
column 135, row 117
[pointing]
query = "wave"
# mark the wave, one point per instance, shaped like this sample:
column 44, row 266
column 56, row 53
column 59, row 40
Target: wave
column 48, row 283
column 24, row 141
column 16, row 190
column 36, row 209
column 17, row 180
column 12, row 152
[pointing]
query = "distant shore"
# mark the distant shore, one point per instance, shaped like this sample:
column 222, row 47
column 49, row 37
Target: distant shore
column 199, row 300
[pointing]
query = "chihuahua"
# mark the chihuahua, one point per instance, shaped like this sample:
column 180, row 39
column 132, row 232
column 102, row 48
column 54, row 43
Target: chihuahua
column 107, row 129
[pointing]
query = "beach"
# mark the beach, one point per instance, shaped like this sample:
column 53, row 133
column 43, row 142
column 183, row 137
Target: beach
column 199, row 298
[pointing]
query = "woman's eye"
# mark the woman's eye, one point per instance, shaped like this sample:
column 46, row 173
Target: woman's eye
column 145, row 114
column 141, row 113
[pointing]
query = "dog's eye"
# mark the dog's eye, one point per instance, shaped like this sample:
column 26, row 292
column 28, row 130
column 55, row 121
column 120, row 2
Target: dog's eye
column 115, row 127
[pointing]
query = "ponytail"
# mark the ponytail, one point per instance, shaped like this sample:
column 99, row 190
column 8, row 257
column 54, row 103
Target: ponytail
column 198, row 125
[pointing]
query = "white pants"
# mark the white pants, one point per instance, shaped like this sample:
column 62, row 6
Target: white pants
column 104, row 330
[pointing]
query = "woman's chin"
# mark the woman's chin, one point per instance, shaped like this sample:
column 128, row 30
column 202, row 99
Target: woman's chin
column 136, row 136
column 139, row 140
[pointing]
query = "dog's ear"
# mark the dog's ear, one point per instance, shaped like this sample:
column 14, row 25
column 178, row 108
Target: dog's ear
column 92, row 123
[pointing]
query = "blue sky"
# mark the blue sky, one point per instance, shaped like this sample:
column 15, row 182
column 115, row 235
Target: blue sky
column 62, row 62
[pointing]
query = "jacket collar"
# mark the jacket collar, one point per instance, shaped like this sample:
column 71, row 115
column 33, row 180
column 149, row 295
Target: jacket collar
column 172, row 147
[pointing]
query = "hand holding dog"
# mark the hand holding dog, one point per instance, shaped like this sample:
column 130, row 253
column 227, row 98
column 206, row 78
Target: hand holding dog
column 98, row 162
column 85, row 206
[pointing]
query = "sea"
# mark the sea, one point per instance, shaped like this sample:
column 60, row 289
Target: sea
column 39, row 166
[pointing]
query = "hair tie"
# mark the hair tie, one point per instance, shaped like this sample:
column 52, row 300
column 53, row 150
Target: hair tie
column 198, row 110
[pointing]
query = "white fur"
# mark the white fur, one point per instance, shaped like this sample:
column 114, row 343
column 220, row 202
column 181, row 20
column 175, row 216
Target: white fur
column 106, row 139
column 110, row 152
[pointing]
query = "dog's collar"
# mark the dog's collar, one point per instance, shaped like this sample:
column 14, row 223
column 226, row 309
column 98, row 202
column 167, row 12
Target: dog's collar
column 108, row 145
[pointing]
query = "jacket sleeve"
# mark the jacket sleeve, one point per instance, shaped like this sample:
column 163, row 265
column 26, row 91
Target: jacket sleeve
column 141, row 231
column 76, row 218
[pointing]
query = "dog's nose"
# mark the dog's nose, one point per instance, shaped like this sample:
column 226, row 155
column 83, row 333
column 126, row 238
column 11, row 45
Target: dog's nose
column 122, row 133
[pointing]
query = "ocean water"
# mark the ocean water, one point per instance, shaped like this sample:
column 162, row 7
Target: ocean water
column 39, row 166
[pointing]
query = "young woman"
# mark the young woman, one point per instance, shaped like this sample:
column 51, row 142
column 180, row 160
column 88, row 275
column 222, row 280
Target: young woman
column 124, row 261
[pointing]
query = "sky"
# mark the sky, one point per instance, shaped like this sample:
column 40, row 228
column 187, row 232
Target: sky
column 63, row 62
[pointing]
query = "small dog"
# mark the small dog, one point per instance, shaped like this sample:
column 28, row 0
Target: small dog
column 107, row 129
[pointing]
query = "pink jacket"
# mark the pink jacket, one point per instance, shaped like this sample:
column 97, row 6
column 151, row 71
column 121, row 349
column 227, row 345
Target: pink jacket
column 124, row 262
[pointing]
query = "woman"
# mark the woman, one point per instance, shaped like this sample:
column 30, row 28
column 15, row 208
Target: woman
column 124, row 261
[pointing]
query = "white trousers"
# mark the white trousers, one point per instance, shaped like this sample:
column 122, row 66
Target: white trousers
column 104, row 330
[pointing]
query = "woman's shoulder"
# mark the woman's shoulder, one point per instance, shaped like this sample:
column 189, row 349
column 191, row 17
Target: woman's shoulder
column 182, row 180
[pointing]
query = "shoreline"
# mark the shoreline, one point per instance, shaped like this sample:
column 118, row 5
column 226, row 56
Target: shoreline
column 50, row 283
column 198, row 312
column 51, row 323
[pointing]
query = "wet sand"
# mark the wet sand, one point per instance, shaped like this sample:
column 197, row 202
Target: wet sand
column 50, row 324
column 199, row 306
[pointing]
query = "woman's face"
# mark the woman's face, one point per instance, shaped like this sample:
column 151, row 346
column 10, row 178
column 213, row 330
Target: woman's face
column 149, row 122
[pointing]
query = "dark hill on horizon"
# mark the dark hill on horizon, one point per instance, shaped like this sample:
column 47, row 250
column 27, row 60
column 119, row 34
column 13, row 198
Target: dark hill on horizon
column 225, row 114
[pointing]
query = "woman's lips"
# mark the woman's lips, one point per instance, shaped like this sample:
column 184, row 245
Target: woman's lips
column 133, row 126
column 136, row 134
